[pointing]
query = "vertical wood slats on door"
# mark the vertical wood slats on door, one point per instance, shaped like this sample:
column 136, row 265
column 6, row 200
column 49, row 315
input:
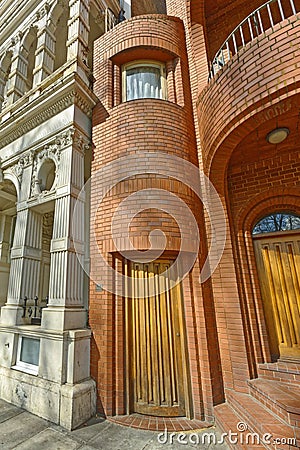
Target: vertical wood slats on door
column 278, row 261
column 156, row 362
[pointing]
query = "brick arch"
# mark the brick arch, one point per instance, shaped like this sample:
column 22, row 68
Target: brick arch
column 267, row 203
column 253, row 315
column 230, row 107
column 218, row 158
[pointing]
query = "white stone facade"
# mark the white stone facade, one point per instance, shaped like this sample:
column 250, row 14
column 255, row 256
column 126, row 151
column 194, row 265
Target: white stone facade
column 46, row 102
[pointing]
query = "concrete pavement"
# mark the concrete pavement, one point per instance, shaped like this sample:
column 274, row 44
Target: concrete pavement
column 20, row 430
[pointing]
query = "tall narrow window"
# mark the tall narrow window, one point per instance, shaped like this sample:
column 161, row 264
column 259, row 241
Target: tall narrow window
column 5, row 67
column 61, row 37
column 28, row 55
column 144, row 79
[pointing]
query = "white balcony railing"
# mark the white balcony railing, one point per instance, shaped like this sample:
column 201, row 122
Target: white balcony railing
column 110, row 20
column 260, row 20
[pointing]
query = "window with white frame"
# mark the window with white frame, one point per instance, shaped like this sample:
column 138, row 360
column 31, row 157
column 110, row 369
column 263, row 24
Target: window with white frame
column 144, row 79
column 28, row 354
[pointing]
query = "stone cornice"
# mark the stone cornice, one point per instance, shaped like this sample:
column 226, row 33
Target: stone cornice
column 47, row 105
column 39, row 118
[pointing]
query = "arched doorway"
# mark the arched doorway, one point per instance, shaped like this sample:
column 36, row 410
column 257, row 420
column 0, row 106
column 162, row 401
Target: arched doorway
column 8, row 199
column 276, row 240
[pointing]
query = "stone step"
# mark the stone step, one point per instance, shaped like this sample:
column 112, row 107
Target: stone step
column 282, row 399
column 227, row 420
column 285, row 372
column 262, row 421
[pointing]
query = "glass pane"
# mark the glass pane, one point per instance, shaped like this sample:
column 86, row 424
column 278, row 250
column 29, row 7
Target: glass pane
column 277, row 222
column 143, row 82
column 30, row 351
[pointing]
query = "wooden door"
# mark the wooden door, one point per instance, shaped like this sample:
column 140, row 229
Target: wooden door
column 156, row 344
column 278, row 262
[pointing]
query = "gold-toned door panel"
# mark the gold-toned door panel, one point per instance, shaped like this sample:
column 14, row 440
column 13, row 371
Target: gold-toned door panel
column 156, row 343
column 278, row 265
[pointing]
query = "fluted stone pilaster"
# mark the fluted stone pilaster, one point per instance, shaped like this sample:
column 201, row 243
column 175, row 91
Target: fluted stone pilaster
column 66, row 273
column 45, row 53
column 78, row 29
column 18, row 75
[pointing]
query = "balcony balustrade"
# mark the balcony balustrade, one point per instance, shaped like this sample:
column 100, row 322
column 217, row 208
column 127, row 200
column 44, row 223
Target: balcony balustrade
column 110, row 20
column 260, row 20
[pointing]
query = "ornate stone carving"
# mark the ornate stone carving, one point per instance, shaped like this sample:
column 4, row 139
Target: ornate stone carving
column 43, row 11
column 48, row 219
column 100, row 18
column 83, row 104
column 71, row 98
column 81, row 141
column 18, row 168
column 53, row 151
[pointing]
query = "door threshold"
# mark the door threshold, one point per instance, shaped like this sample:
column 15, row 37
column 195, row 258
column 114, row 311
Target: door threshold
column 151, row 423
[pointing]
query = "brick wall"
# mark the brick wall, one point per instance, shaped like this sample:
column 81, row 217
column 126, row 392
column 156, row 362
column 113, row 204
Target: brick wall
column 259, row 177
column 140, row 7
column 262, row 179
column 256, row 80
column 255, row 93
column 123, row 129
column 222, row 17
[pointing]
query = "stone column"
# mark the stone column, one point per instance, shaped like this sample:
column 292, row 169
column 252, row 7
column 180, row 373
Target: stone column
column 45, row 53
column 2, row 86
column 25, row 265
column 66, row 306
column 5, row 68
column 78, row 29
column 18, row 74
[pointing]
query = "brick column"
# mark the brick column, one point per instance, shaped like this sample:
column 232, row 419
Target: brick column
column 233, row 349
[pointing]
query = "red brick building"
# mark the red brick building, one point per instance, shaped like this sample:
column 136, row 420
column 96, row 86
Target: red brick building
column 213, row 85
